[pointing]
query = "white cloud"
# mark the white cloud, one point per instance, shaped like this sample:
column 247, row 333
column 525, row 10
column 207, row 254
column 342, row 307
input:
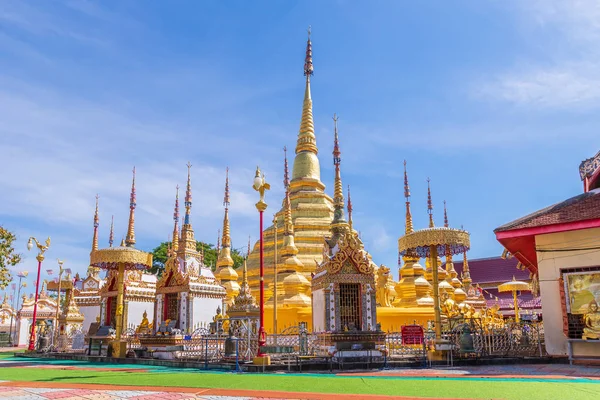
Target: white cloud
column 570, row 79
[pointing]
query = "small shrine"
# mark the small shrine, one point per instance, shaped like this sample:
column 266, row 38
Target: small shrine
column 245, row 310
column 45, row 316
column 8, row 316
column 343, row 286
column 188, row 292
column 70, row 318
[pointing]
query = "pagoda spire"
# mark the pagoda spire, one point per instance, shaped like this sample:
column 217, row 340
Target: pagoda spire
column 445, row 216
column 176, row 222
column 130, row 238
column 187, row 244
column 429, row 204
column 409, row 222
column 188, row 196
column 96, row 224
column 466, row 274
column 286, row 175
column 224, row 255
column 306, row 136
column 288, row 226
column 339, row 219
column 111, row 236
column 349, row 209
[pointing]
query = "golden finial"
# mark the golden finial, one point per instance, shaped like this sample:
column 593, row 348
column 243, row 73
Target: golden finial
column 429, row 204
column 226, row 197
column 226, row 241
column 130, row 238
column 111, row 236
column 96, row 224
column 445, row 216
column 409, row 222
column 306, row 135
column 288, row 226
column 176, row 221
column 248, row 251
column 308, row 64
column 122, row 242
column 188, row 196
column 349, row 209
column 466, row 273
column 286, row 176
column 338, row 192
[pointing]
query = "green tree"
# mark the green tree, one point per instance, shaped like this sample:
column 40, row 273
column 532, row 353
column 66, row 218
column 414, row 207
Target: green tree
column 8, row 257
column 159, row 256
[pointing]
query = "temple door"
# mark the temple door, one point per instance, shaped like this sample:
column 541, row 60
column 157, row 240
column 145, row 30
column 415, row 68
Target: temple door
column 350, row 307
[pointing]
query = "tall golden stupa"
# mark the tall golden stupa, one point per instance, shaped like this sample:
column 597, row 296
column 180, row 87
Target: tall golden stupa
column 311, row 207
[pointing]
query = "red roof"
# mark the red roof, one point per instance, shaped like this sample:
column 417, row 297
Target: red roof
column 576, row 213
column 579, row 208
column 492, row 270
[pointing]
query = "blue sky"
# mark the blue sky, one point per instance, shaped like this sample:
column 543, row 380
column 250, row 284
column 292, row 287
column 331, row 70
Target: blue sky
column 495, row 101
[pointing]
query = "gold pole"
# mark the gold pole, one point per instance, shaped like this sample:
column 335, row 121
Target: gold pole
column 436, row 293
column 60, row 271
column 275, row 279
column 119, row 311
column 517, row 318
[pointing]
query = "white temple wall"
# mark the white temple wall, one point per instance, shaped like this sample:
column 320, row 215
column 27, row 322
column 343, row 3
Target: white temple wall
column 203, row 310
column 90, row 313
column 135, row 311
column 23, row 331
column 550, row 265
column 318, row 310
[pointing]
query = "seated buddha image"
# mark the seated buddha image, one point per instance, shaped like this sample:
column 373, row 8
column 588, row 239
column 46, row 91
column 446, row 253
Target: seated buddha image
column 591, row 321
column 580, row 296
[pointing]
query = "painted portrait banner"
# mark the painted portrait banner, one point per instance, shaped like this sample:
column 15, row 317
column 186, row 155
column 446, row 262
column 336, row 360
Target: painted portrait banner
column 582, row 288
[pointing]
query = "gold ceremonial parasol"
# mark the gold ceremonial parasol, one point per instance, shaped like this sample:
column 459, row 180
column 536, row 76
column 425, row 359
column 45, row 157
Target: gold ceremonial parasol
column 430, row 242
column 514, row 286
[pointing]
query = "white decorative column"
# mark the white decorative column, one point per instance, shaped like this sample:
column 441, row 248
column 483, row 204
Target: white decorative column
column 332, row 308
column 369, row 307
column 159, row 311
column 183, row 312
column 103, row 311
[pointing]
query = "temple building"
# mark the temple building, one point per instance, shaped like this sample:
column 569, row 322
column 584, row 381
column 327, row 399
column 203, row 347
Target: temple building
column 343, row 286
column 187, row 292
column 8, row 316
column 311, row 207
column 560, row 246
column 45, row 316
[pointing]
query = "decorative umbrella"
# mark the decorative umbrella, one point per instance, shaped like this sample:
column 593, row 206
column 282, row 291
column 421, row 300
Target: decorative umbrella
column 430, row 242
column 514, row 286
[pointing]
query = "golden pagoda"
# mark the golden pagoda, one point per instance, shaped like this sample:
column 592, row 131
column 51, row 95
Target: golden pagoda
column 311, row 207
column 225, row 272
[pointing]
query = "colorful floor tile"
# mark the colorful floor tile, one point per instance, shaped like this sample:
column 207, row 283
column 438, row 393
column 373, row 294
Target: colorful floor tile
column 20, row 393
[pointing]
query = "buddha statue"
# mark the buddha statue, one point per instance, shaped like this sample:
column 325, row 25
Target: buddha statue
column 448, row 306
column 144, row 326
column 591, row 321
